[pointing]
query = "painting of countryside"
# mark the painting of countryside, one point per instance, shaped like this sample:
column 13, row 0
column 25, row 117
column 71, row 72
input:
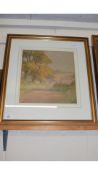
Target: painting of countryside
column 47, row 77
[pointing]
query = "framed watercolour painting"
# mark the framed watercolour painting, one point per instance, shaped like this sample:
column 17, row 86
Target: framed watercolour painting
column 47, row 81
column 95, row 56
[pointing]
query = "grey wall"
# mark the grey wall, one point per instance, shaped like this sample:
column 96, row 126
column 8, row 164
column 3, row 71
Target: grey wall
column 29, row 145
column 65, row 17
column 49, row 145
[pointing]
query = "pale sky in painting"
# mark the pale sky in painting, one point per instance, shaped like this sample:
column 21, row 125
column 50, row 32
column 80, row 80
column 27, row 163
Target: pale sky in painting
column 62, row 61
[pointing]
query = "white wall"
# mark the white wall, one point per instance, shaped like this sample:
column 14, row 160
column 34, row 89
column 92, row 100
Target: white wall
column 49, row 145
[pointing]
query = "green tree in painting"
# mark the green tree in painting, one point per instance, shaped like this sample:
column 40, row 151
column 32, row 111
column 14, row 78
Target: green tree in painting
column 36, row 65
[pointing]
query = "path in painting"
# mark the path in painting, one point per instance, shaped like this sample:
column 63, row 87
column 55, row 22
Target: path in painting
column 46, row 96
column 42, row 97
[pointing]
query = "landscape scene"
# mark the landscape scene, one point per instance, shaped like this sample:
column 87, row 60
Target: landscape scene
column 47, row 77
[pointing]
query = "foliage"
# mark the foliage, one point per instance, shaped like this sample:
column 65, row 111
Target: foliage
column 35, row 65
column 60, row 87
column 63, row 87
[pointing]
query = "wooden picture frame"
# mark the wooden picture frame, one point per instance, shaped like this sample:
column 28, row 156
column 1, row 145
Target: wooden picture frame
column 95, row 59
column 42, row 42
